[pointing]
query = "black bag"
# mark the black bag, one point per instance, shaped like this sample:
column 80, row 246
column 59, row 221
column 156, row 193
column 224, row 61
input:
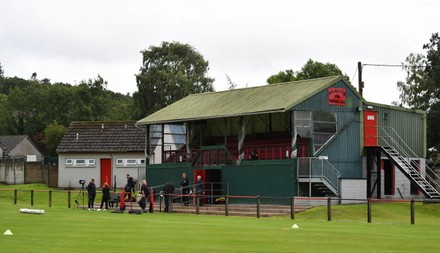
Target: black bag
column 142, row 203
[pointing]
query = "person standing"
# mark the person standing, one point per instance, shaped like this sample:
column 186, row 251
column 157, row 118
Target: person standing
column 184, row 184
column 168, row 188
column 145, row 195
column 129, row 187
column 91, row 191
column 200, row 186
column 105, row 196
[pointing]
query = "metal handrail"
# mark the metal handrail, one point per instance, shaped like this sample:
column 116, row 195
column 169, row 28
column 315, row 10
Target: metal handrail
column 319, row 167
column 403, row 150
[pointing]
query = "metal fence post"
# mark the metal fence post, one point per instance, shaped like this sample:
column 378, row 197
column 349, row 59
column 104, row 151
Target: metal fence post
column 32, row 197
column 50, row 198
column 15, row 196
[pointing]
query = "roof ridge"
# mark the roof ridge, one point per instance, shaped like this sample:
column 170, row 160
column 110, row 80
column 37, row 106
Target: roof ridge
column 267, row 85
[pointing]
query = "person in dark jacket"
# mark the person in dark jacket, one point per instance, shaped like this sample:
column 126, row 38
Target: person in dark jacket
column 91, row 191
column 105, row 196
column 129, row 187
column 168, row 188
column 145, row 195
column 184, row 184
column 200, row 186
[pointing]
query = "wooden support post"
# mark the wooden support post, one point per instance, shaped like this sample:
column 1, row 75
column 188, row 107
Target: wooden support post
column 227, row 205
column 369, row 210
column 69, row 195
column 50, row 198
column 292, row 208
column 32, row 197
column 258, row 207
column 412, row 212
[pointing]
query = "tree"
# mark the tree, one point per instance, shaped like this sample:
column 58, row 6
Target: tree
column 421, row 88
column 53, row 134
column 310, row 70
column 170, row 72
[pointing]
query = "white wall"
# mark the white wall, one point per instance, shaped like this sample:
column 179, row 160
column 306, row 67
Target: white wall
column 69, row 176
column 353, row 189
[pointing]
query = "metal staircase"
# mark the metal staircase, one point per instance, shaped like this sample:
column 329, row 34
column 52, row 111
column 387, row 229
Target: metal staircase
column 412, row 171
column 408, row 163
column 320, row 174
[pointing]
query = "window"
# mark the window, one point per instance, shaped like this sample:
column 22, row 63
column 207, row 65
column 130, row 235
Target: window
column 119, row 162
column 324, row 127
column 320, row 126
column 69, row 162
column 303, row 123
column 131, row 162
column 80, row 162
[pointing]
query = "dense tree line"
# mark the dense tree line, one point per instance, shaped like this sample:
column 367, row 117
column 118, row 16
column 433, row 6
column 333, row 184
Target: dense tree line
column 43, row 110
column 421, row 89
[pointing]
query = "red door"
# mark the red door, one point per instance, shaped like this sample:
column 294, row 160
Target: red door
column 106, row 172
column 370, row 129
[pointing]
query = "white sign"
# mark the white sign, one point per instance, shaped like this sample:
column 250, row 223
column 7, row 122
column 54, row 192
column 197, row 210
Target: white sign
column 31, row 158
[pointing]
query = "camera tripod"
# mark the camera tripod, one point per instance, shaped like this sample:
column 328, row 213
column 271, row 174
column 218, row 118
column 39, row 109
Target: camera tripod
column 81, row 194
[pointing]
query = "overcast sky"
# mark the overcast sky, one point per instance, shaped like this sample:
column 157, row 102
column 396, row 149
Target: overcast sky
column 70, row 41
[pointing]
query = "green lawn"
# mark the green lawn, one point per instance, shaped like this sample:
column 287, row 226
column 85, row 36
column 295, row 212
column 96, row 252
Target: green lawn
column 70, row 230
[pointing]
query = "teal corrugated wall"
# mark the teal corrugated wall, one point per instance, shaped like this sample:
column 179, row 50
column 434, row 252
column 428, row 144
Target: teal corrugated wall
column 344, row 152
column 409, row 125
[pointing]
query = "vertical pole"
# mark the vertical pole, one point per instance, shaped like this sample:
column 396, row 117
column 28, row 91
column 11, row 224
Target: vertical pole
column 15, row 196
column 412, row 212
column 292, row 208
column 147, row 151
column 379, row 173
column 369, row 210
column 227, row 205
column 329, row 209
column 50, row 198
column 360, row 82
column 68, row 198
column 258, row 207
column 369, row 156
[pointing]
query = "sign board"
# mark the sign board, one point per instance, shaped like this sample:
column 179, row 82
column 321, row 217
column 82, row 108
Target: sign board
column 337, row 96
column 31, row 158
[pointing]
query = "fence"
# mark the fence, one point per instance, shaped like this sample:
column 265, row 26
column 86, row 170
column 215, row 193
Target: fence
column 77, row 198
column 19, row 171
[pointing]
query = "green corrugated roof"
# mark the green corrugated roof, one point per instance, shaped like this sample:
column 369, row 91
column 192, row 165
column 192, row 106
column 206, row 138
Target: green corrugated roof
column 240, row 102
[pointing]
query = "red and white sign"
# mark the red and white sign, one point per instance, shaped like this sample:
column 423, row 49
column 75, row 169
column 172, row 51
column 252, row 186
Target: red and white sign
column 337, row 96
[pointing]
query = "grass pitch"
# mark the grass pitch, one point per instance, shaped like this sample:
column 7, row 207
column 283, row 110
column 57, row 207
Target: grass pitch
column 75, row 230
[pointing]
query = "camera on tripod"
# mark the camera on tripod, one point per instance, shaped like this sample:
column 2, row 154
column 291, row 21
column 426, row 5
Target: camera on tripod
column 82, row 181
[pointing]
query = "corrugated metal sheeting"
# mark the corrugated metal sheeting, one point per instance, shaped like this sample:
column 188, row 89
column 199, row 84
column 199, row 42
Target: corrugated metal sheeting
column 409, row 124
